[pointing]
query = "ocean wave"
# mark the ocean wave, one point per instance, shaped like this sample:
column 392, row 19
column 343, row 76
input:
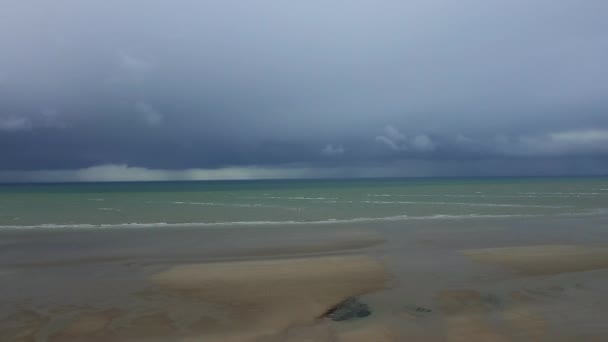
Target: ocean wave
column 427, row 195
column 560, row 193
column 237, row 205
column 290, row 198
column 475, row 196
column 260, row 223
column 108, row 209
column 471, row 204
column 592, row 212
column 246, row 205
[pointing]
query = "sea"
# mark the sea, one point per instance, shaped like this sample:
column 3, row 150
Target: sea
column 294, row 202
column 78, row 261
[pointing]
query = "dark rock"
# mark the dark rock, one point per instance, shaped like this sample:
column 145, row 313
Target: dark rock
column 349, row 309
column 417, row 310
column 491, row 301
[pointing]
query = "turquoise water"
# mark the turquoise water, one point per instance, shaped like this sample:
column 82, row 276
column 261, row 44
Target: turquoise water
column 294, row 201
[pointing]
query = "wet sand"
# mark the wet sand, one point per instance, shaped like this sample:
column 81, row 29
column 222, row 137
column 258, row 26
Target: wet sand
column 266, row 297
column 292, row 292
column 463, row 280
column 242, row 301
column 544, row 259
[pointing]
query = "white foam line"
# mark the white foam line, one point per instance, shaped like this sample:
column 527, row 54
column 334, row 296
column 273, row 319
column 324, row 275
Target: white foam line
column 290, row 198
column 470, row 204
column 238, row 205
column 220, row 204
column 593, row 212
column 560, row 193
column 474, row 196
column 259, row 223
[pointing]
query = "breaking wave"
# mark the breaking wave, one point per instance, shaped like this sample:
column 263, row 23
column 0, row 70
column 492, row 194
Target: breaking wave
column 259, row 223
column 471, row 204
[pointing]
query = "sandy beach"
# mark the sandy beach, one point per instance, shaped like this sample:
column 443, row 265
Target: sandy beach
column 268, row 297
column 424, row 282
column 246, row 301
column 544, row 259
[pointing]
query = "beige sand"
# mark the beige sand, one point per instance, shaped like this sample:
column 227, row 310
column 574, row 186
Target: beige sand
column 323, row 247
column 370, row 332
column 525, row 325
column 466, row 317
column 324, row 331
column 262, row 301
column 263, row 298
column 22, row 326
column 89, row 324
column 256, row 300
column 544, row 259
column 469, row 316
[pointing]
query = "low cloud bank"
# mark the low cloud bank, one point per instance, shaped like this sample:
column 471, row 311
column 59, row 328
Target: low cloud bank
column 118, row 172
column 405, row 168
column 562, row 143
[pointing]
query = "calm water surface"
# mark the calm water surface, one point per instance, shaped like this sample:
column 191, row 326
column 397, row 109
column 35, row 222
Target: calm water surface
column 294, row 201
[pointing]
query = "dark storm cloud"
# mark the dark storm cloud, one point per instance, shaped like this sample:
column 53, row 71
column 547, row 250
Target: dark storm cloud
column 340, row 85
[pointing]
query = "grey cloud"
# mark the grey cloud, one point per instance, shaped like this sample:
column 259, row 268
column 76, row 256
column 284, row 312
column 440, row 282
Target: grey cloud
column 403, row 168
column 331, row 150
column 113, row 172
column 422, row 142
column 14, row 123
column 132, row 63
column 50, row 117
column 393, row 138
column 577, row 142
column 149, row 114
column 213, row 85
column 397, row 141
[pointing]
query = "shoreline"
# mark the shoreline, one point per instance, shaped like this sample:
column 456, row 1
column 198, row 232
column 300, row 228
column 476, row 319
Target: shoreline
column 491, row 280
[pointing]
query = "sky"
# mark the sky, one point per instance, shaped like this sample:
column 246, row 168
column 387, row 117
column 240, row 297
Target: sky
column 160, row 90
